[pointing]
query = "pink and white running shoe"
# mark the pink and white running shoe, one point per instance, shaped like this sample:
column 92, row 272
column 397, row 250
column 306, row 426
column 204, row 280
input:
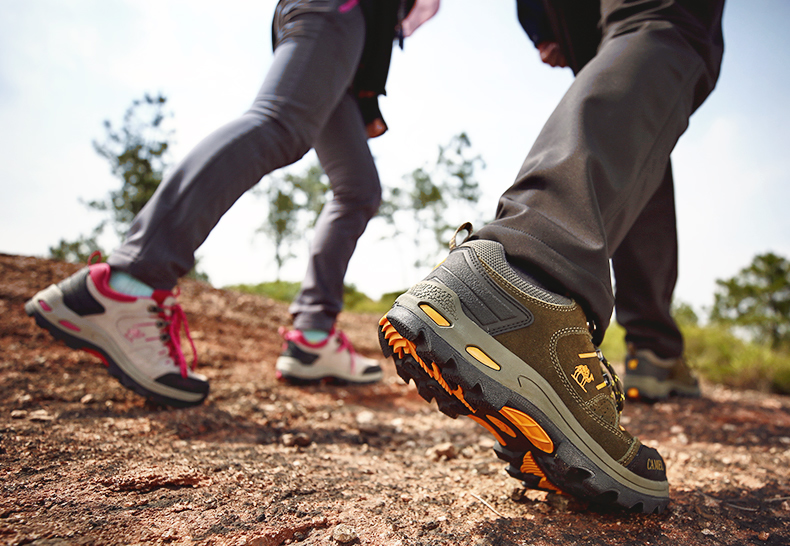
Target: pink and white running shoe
column 333, row 359
column 138, row 338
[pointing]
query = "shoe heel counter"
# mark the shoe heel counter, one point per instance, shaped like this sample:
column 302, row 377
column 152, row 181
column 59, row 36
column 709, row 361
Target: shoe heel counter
column 76, row 295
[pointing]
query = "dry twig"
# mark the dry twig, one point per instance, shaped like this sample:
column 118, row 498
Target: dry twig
column 487, row 505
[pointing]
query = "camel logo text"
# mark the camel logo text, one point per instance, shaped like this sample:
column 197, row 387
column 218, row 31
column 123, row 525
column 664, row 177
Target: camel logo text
column 655, row 464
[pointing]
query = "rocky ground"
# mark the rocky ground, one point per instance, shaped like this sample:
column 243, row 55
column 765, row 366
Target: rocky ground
column 84, row 461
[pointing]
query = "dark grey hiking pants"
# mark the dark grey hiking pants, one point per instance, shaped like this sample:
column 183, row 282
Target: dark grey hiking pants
column 303, row 103
column 603, row 153
column 645, row 267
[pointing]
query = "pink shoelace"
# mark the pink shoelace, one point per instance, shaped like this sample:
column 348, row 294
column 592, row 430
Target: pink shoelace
column 173, row 323
column 346, row 344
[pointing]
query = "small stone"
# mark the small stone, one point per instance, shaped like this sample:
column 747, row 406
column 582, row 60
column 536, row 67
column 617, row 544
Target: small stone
column 41, row 416
column 366, row 423
column 517, row 493
column 344, row 534
column 764, row 536
column 708, row 532
column 535, row 496
column 558, row 501
column 18, row 414
column 439, row 452
column 430, row 525
column 365, row 417
column 299, row 439
column 468, row 452
column 87, row 399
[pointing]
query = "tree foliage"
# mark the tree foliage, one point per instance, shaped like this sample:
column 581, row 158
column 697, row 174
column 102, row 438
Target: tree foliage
column 430, row 194
column 137, row 153
column 75, row 251
column 758, row 300
column 295, row 202
column 417, row 210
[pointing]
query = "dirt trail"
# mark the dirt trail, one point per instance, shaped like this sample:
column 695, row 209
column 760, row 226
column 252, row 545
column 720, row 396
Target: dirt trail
column 84, row 461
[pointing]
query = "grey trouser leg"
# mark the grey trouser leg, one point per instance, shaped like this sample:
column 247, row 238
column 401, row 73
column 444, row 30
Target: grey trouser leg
column 356, row 193
column 317, row 54
column 601, row 155
column 645, row 271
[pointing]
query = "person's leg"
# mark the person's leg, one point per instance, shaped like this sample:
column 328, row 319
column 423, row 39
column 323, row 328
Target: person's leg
column 602, row 153
column 484, row 335
column 343, row 151
column 645, row 269
column 139, row 336
column 317, row 51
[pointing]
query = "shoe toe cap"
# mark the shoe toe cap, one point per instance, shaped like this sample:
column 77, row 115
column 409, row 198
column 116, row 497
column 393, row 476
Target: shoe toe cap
column 194, row 383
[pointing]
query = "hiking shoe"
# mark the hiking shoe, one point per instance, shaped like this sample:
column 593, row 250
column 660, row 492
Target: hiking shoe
column 333, row 360
column 650, row 378
column 138, row 338
column 520, row 361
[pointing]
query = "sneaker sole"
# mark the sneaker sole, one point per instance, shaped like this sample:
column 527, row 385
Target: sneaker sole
column 55, row 301
column 327, row 379
column 291, row 370
column 543, row 443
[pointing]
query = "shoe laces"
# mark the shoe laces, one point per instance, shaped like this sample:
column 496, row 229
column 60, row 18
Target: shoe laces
column 609, row 375
column 345, row 345
column 173, row 319
column 613, row 380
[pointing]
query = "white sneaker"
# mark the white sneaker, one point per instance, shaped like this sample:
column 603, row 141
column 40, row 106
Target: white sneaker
column 331, row 359
column 138, row 338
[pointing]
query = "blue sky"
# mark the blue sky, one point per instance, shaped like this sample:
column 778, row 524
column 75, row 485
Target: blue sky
column 65, row 67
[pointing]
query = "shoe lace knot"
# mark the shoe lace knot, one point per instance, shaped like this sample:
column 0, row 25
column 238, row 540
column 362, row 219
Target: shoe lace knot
column 172, row 320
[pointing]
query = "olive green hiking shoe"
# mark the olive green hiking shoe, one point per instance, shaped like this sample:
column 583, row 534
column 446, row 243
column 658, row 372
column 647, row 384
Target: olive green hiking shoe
column 520, row 361
column 650, row 378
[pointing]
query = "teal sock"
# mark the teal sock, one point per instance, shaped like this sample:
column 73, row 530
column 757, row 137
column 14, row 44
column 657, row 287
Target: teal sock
column 126, row 284
column 315, row 336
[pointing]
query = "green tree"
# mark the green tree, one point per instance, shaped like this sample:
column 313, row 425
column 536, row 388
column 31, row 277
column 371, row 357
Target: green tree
column 684, row 314
column 76, row 251
column 137, row 153
column 421, row 206
column 295, row 201
column 430, row 193
column 758, row 300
